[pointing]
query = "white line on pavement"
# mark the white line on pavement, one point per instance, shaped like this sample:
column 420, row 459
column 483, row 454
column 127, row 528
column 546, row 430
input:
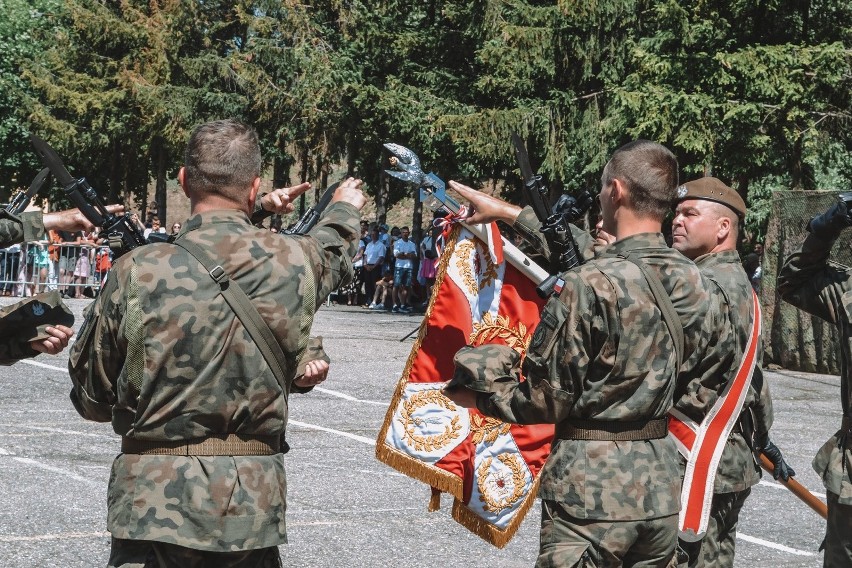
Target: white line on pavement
column 349, row 397
column 361, row 439
column 43, row 365
column 62, row 431
column 779, row 486
column 59, row 470
column 776, row 546
column 60, row 536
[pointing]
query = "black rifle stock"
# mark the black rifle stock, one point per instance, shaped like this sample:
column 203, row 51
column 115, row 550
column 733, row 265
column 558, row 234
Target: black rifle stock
column 122, row 234
column 555, row 223
column 310, row 217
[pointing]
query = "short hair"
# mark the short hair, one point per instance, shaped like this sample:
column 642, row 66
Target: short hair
column 650, row 172
column 222, row 157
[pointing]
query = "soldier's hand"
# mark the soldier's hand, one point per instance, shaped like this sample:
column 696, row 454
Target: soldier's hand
column 350, row 192
column 280, row 201
column 315, row 372
column 461, row 396
column 781, row 469
column 486, row 208
column 58, row 340
column 73, row 220
column 829, row 224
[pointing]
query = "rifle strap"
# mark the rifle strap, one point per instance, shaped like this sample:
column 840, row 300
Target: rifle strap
column 246, row 312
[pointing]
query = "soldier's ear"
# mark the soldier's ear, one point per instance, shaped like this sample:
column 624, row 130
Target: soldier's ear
column 182, row 180
column 255, row 187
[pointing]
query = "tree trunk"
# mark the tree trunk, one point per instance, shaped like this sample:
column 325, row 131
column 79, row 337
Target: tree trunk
column 160, row 192
column 303, row 177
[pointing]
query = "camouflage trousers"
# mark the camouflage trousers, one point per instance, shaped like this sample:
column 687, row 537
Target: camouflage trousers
column 716, row 549
column 151, row 554
column 838, row 534
column 568, row 542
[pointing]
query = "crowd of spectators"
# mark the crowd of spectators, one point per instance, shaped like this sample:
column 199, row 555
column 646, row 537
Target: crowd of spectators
column 75, row 263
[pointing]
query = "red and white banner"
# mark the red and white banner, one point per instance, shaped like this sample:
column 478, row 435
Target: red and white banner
column 491, row 468
column 702, row 444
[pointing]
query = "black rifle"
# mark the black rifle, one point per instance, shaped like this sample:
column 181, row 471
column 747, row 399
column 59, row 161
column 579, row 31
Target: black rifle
column 22, row 199
column 122, row 234
column 310, row 217
column 555, row 223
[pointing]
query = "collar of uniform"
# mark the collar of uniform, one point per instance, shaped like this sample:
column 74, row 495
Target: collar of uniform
column 717, row 258
column 638, row 241
column 216, row 216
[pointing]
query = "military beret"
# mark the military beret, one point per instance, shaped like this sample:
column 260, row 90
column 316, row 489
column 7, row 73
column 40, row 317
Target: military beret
column 27, row 320
column 712, row 189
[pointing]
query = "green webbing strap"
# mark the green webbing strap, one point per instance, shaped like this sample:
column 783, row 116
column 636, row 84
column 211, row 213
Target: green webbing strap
column 664, row 303
column 246, row 312
column 134, row 363
column 308, row 308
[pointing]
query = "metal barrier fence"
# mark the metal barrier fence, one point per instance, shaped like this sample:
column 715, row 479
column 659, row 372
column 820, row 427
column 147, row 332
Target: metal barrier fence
column 75, row 270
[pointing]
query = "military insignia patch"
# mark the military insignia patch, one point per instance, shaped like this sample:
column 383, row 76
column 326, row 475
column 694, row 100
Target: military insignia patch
column 38, row 309
column 681, row 192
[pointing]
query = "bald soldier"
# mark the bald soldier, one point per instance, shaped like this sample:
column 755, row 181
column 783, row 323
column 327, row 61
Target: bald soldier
column 705, row 229
column 602, row 366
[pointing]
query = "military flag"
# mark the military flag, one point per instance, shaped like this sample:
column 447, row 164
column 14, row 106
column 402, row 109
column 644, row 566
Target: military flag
column 491, row 468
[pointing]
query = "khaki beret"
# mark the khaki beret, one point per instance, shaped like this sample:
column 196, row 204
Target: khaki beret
column 712, row 189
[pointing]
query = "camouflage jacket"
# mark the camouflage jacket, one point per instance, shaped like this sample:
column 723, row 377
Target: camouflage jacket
column 822, row 288
column 738, row 469
column 603, row 352
column 17, row 229
column 163, row 357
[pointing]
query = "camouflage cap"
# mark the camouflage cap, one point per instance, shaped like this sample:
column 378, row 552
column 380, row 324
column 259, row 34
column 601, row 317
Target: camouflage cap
column 712, row 189
column 28, row 319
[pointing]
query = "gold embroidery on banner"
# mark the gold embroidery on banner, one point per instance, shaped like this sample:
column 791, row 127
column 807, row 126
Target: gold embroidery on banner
column 411, row 423
column 491, row 328
column 496, row 483
column 487, row 428
column 477, row 249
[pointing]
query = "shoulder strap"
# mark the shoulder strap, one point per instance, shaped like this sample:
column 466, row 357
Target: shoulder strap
column 246, row 312
column 664, row 303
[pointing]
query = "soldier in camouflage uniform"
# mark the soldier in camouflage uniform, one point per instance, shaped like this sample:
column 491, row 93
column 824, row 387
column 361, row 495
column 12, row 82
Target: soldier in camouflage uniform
column 32, row 226
column 602, row 366
column 705, row 229
column 163, row 357
column 812, row 283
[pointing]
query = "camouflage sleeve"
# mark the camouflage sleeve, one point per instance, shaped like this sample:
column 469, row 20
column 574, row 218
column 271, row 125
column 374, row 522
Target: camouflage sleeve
column 528, row 225
column 259, row 213
column 810, row 282
column 553, row 367
column 17, row 229
column 98, row 356
column 12, row 350
column 762, row 405
column 330, row 251
column 313, row 352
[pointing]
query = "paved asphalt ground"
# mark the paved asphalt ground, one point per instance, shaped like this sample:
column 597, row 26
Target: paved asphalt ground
column 345, row 508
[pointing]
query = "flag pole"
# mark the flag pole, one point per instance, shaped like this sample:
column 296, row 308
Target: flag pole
column 796, row 488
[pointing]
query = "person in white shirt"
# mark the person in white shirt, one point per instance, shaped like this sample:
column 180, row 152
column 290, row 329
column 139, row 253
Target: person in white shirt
column 374, row 259
column 405, row 253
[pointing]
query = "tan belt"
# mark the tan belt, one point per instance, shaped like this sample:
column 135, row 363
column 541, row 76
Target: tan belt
column 613, row 431
column 225, row 445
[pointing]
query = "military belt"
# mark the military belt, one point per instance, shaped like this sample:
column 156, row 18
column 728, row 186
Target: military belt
column 612, row 431
column 225, row 445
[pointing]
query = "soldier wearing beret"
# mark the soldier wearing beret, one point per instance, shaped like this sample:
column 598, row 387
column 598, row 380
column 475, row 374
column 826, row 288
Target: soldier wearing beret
column 809, row 281
column 602, row 366
column 164, row 357
column 705, row 229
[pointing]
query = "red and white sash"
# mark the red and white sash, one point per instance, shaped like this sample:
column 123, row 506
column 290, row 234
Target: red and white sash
column 702, row 445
